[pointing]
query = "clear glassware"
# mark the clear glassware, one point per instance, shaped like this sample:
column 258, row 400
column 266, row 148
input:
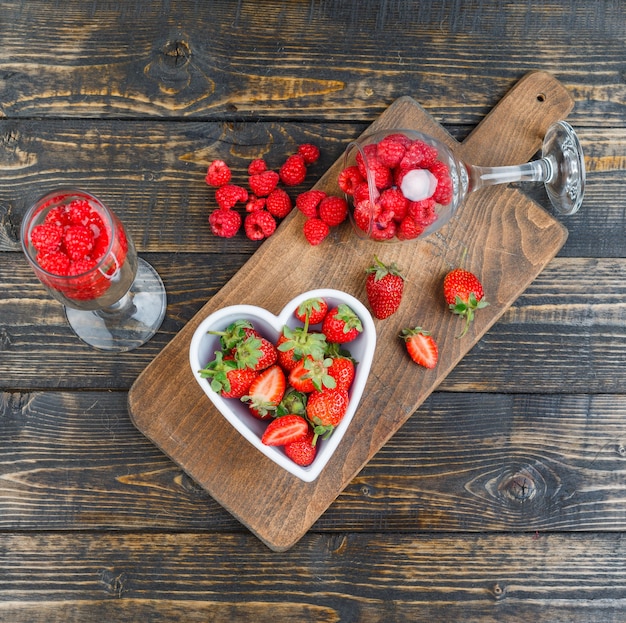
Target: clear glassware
column 435, row 182
column 79, row 250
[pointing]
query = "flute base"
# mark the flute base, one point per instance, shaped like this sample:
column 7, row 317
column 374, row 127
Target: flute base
column 129, row 323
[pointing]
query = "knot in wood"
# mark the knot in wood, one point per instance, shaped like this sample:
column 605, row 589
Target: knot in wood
column 176, row 54
column 519, row 487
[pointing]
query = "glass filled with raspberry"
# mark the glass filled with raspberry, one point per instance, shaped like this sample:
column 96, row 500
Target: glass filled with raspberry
column 404, row 185
column 81, row 253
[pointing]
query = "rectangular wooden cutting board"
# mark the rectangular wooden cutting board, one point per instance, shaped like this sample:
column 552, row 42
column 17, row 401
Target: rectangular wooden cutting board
column 507, row 238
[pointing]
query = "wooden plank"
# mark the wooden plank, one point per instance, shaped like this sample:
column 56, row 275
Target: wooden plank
column 218, row 61
column 510, row 251
column 463, row 462
column 164, row 578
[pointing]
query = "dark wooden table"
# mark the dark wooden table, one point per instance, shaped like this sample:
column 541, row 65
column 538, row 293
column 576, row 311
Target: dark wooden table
column 503, row 497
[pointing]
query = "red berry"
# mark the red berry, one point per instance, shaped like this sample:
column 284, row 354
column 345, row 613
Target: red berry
column 278, row 203
column 409, row 229
column 285, row 429
column 78, row 241
column 54, row 262
column 341, row 325
column 419, row 155
column 443, row 192
column 218, row 174
column 262, row 184
column 421, row 347
column 79, row 212
column 58, row 216
column 382, row 174
column 308, row 202
column 309, row 152
column 333, row 210
column 257, row 166
column 228, row 195
column 255, row 203
column 302, row 452
column 392, row 200
column 80, row 267
column 293, row 171
column 349, row 179
column 259, row 225
column 225, row 222
column 313, row 309
column 46, row 237
column 392, row 149
column 384, row 287
column 315, row 230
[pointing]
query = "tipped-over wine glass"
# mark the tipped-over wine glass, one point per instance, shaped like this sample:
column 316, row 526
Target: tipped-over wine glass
column 79, row 250
column 402, row 184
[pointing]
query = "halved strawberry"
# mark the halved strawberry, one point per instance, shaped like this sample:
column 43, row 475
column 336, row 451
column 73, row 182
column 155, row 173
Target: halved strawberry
column 284, row 430
column 266, row 392
column 421, row 346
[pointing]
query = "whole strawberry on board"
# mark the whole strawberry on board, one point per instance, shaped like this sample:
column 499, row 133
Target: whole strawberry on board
column 421, row 346
column 384, row 286
column 464, row 294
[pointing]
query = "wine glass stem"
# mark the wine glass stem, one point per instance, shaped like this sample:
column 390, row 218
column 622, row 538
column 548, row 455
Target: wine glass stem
column 535, row 171
column 124, row 306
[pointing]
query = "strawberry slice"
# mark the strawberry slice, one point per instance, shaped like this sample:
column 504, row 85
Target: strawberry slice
column 421, row 346
column 285, row 430
column 266, row 392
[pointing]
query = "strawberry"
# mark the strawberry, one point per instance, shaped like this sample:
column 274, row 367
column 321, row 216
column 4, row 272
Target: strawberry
column 218, row 174
column 342, row 367
column 325, row 409
column 266, row 392
column 293, row 171
column 421, row 346
column 235, row 333
column 225, row 222
column 293, row 402
column 311, row 374
column 341, row 325
column 227, row 378
column 256, row 353
column 302, row 452
column 384, row 286
column 295, row 344
column 315, row 231
column 284, row 430
column 312, row 311
column 464, row 294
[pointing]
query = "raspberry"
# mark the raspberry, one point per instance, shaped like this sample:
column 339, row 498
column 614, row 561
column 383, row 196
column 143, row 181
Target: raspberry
column 79, row 212
column 80, row 267
column 391, row 150
column 46, row 237
column 422, row 212
column 443, row 192
column 54, row 262
column 419, row 155
column 315, row 230
column 218, row 174
column 293, row 171
column 78, row 241
column 362, row 192
column 349, row 179
column 100, row 245
column 257, row 166
column 308, row 202
column 58, row 216
column 262, row 184
column 255, row 203
column 381, row 173
column 408, row 229
column 259, row 225
column 228, row 195
column 382, row 231
column 392, row 200
column 225, row 222
column 309, row 152
column 333, row 210
column 278, row 203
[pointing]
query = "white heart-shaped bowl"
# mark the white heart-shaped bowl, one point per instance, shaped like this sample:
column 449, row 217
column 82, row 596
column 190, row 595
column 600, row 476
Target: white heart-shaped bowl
column 202, row 350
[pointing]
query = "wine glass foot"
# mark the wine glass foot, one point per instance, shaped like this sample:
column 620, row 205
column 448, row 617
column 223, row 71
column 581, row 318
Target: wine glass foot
column 566, row 185
column 129, row 323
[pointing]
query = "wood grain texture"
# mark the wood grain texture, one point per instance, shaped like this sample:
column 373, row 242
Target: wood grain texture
column 187, row 428
column 397, row 578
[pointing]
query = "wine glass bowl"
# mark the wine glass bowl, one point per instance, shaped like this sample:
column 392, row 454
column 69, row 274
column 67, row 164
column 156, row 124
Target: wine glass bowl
column 402, row 185
column 81, row 253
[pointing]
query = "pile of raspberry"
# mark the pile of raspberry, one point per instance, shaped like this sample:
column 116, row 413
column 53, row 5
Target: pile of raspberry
column 267, row 203
column 70, row 242
column 392, row 214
